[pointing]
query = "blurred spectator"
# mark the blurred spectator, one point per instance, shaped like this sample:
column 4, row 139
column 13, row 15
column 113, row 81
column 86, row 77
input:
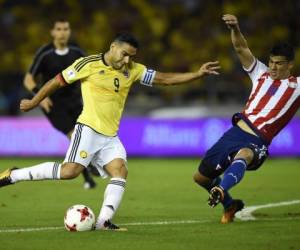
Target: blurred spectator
column 178, row 32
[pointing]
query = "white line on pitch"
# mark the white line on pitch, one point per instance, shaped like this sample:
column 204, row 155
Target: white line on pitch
column 121, row 224
column 246, row 213
column 165, row 223
column 16, row 230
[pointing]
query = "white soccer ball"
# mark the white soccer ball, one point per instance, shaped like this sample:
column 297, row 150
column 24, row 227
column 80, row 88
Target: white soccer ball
column 79, row 218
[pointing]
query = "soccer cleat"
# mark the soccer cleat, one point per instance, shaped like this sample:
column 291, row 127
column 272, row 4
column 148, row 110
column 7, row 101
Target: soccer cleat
column 216, row 195
column 109, row 226
column 89, row 183
column 5, row 177
column 229, row 213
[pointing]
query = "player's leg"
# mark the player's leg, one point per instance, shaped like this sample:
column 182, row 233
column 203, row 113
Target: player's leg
column 249, row 157
column 75, row 161
column 217, row 194
column 43, row 171
column 113, row 193
column 215, row 161
column 208, row 183
column 232, row 176
column 111, row 161
column 235, row 172
column 70, row 170
column 220, row 158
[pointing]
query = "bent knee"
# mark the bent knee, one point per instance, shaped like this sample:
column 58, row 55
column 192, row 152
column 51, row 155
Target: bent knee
column 117, row 168
column 70, row 170
column 121, row 171
column 246, row 154
column 196, row 177
column 200, row 179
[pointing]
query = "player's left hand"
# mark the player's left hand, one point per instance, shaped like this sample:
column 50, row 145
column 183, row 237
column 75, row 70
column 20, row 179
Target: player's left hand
column 209, row 68
column 26, row 105
column 231, row 21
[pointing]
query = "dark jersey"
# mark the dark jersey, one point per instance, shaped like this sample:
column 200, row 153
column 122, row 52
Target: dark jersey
column 48, row 62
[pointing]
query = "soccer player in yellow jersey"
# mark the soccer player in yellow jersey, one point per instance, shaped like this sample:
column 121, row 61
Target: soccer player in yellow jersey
column 105, row 82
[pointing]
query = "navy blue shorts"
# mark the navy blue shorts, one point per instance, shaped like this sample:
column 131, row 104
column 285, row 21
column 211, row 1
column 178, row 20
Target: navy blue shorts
column 218, row 158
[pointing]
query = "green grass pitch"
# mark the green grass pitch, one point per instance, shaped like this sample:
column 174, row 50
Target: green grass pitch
column 158, row 190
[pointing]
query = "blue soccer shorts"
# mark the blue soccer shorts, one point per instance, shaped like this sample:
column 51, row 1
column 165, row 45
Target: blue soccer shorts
column 219, row 157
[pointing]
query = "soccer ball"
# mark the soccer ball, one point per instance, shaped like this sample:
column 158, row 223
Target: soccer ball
column 79, row 218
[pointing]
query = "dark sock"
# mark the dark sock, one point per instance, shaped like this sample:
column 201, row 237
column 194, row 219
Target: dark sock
column 87, row 177
column 93, row 170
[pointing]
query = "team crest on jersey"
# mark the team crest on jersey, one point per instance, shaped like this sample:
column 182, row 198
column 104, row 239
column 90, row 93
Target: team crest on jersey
column 83, row 154
column 126, row 73
column 101, row 72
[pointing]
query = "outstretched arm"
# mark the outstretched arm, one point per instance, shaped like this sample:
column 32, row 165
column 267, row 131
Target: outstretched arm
column 239, row 42
column 31, row 86
column 50, row 87
column 209, row 68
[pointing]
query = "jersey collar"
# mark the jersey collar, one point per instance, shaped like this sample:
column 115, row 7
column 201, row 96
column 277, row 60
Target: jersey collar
column 103, row 59
column 62, row 52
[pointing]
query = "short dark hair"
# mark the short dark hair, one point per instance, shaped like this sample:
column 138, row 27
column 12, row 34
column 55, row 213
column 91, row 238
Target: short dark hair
column 126, row 37
column 283, row 49
column 59, row 20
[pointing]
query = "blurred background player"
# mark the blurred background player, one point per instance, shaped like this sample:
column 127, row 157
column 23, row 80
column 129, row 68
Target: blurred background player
column 274, row 100
column 63, row 107
column 105, row 82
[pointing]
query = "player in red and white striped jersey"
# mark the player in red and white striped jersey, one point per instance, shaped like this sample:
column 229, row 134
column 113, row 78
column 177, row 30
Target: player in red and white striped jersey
column 274, row 99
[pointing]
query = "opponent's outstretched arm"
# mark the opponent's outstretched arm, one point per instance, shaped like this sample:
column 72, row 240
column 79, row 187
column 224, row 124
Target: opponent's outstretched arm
column 239, row 42
column 209, row 68
column 50, row 87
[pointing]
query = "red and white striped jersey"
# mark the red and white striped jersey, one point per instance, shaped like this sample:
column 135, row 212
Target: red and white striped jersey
column 272, row 103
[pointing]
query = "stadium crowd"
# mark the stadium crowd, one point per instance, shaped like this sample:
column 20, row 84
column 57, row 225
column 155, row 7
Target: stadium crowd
column 184, row 33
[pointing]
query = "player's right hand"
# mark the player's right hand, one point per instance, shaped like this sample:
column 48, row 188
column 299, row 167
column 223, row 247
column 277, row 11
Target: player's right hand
column 26, row 105
column 46, row 104
column 209, row 68
column 231, row 21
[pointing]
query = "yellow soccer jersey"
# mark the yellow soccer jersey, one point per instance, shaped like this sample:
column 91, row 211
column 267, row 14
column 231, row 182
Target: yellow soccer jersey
column 104, row 90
